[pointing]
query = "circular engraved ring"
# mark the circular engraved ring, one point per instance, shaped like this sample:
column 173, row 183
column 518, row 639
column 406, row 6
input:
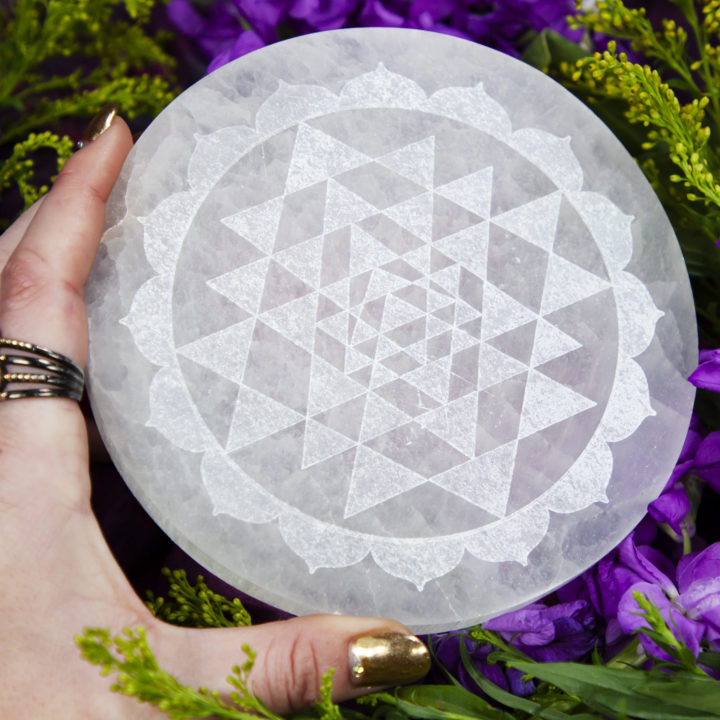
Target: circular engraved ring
column 399, row 329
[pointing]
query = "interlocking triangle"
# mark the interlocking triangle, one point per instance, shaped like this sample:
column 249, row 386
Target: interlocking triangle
column 367, row 253
column 550, row 343
column 415, row 161
column 567, row 283
column 224, row 352
column 455, row 423
column 414, row 215
column 376, row 479
column 295, row 320
column 468, row 247
column 303, row 260
column 380, row 417
column 318, row 156
column 321, row 443
column 258, row 224
column 502, row 312
column 494, row 367
column 535, row 221
column 256, row 416
column 473, row 192
column 329, row 387
column 244, row 285
column 343, row 207
column 484, row 481
column 547, row 403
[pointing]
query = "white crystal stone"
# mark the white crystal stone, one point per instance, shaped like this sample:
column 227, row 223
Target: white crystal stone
column 388, row 323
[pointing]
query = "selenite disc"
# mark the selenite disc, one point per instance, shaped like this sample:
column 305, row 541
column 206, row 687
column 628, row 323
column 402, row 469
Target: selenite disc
column 388, row 323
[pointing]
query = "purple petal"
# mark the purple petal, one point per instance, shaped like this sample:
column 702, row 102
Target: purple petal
column 671, row 508
column 641, row 563
column 245, row 43
column 185, row 18
column 631, row 619
column 699, row 566
column 707, row 460
column 374, row 13
column 707, row 375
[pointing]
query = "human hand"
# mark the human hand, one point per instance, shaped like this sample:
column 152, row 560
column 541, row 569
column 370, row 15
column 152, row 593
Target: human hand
column 59, row 575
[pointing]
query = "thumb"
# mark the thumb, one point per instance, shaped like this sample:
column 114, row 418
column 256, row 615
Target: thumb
column 293, row 655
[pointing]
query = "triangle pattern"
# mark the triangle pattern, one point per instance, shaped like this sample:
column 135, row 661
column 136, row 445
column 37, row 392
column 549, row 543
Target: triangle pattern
column 321, row 443
column 415, row 161
column 468, row 247
column 419, row 259
column 450, row 218
column 363, row 333
column 367, row 253
column 415, row 215
column 281, row 287
column 380, row 417
column 303, row 260
column 398, row 312
column 376, row 479
column 535, row 221
column 418, row 351
column 345, row 419
column 329, row 387
column 567, row 283
column 381, row 375
column 339, row 293
column 433, row 378
column 256, row 416
column 317, row 156
column 547, row 402
column 448, row 280
column 494, row 367
column 455, row 423
column 258, row 224
column 462, row 340
column 502, row 313
column 224, row 352
column 517, row 343
column 336, row 326
column 472, row 192
column 326, row 307
column 295, row 320
column 244, row 285
column 355, row 360
column 551, row 343
column 484, row 481
column 343, row 207
column 383, row 283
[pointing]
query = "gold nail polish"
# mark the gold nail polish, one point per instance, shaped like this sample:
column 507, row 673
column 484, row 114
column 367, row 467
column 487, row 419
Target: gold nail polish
column 99, row 124
column 387, row 659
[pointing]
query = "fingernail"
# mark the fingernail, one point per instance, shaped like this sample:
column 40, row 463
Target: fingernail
column 99, row 124
column 387, row 659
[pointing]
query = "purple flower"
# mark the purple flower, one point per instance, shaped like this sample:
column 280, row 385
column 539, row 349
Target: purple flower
column 672, row 508
column 707, row 460
column 690, row 601
column 246, row 42
column 230, row 28
column 564, row 632
column 447, row 651
column 707, row 375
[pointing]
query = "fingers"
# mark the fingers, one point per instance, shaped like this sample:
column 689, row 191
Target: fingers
column 293, row 655
column 41, row 289
column 12, row 236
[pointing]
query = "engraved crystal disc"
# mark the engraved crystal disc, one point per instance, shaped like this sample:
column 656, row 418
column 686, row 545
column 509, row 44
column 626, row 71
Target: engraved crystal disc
column 388, row 323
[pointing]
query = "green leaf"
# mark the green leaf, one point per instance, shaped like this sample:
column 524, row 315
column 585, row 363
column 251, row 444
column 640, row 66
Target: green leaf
column 629, row 692
column 549, row 49
column 438, row 702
